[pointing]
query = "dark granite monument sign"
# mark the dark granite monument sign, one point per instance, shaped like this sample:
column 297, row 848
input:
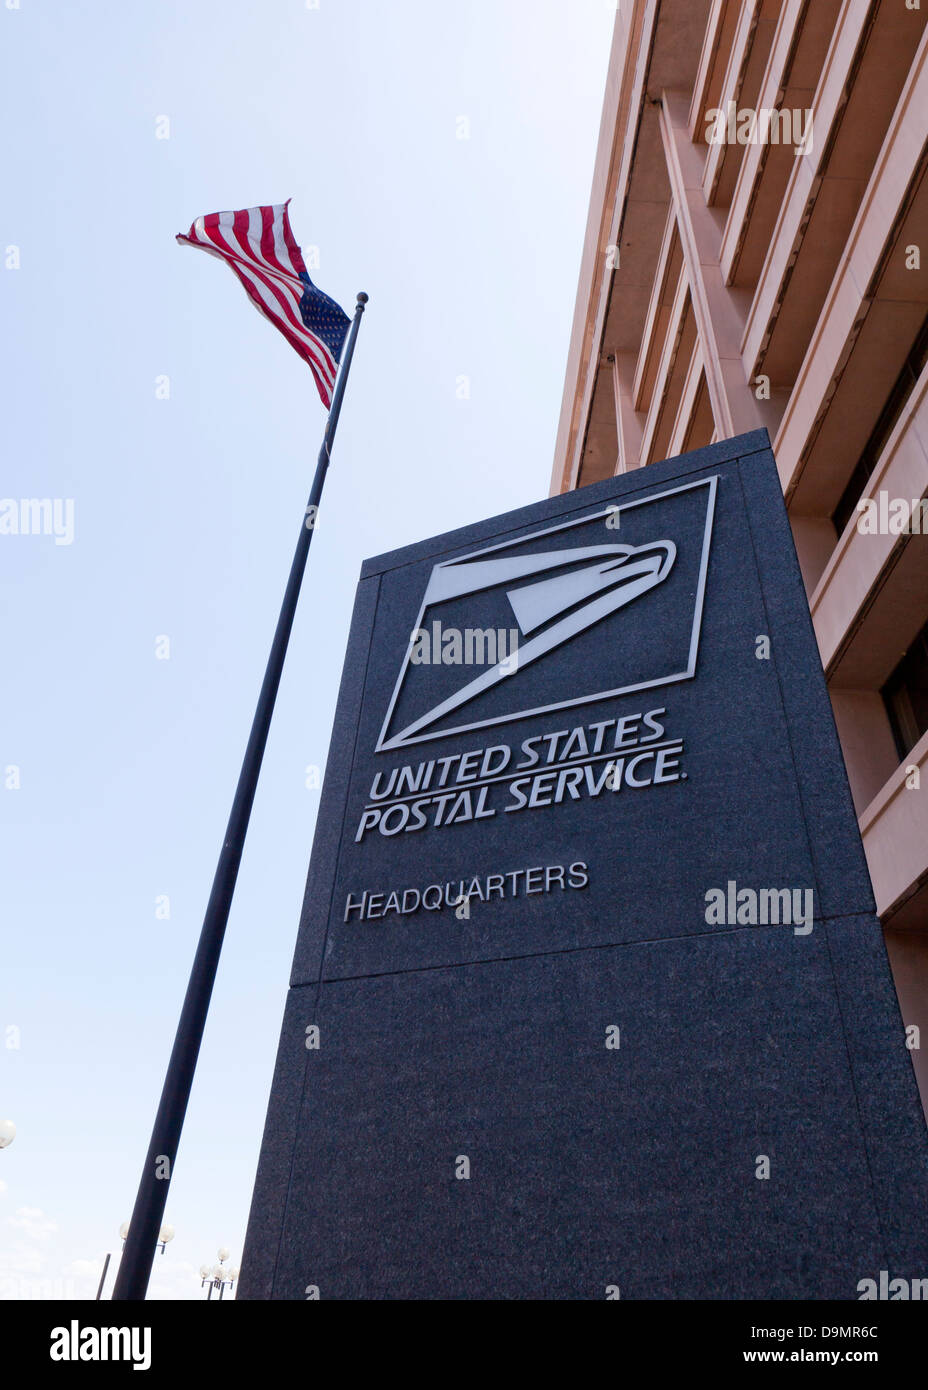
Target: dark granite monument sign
column 589, row 999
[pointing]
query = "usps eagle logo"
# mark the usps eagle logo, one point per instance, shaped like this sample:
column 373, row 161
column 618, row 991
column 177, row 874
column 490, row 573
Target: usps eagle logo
column 559, row 592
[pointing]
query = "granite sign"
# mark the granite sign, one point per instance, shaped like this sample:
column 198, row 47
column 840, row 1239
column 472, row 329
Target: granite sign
column 586, row 912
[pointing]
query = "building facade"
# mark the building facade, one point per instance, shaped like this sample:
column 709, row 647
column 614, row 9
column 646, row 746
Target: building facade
column 756, row 254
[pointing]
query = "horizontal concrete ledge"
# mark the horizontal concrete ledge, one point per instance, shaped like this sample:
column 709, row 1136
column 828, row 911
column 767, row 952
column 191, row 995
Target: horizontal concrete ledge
column 895, row 830
column 858, row 560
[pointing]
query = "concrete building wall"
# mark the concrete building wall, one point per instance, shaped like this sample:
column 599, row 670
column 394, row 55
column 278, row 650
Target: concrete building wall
column 757, row 255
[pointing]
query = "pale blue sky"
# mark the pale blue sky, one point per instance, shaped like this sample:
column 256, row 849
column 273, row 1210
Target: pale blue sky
column 186, row 510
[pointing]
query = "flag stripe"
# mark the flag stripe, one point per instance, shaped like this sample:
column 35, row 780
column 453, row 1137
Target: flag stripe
column 310, row 348
column 259, row 246
column 214, row 240
column 267, row 235
column 289, row 308
column 296, row 255
column 262, row 246
column 306, row 345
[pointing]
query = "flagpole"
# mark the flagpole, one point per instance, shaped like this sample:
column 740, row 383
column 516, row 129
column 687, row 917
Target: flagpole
column 142, row 1239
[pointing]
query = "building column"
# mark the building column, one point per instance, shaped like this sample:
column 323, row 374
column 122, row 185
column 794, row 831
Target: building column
column 719, row 322
column 627, row 420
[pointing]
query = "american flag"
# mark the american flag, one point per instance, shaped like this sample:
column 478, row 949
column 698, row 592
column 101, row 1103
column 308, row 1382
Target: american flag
column 259, row 245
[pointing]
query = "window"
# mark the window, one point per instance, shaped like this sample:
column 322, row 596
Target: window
column 902, row 389
column 905, row 695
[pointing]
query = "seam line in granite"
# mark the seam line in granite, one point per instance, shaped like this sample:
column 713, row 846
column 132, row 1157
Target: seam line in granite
column 865, row 1137
column 349, row 769
column 810, row 848
column 864, row 1129
column 325, row 936
column 808, row 795
column 331, row 793
column 570, row 950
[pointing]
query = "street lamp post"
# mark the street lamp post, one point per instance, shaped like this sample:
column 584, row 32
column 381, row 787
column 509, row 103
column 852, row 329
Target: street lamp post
column 219, row 1277
column 165, row 1235
column 106, row 1265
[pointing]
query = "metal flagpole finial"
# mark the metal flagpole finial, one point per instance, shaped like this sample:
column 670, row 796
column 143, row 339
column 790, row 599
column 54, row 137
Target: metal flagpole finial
column 362, row 297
